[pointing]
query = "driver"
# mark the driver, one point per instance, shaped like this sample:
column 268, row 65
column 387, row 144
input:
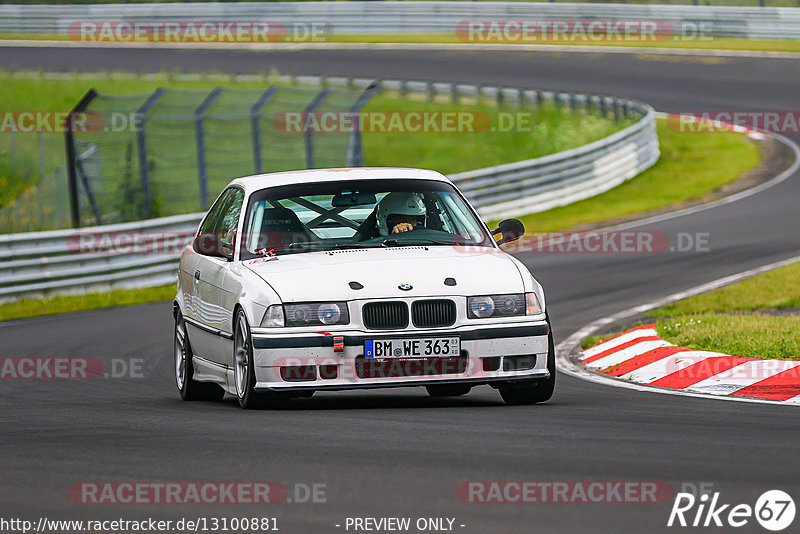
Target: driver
column 400, row 212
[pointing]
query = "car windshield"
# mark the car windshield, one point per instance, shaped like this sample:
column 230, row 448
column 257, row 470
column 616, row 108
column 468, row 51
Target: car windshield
column 358, row 214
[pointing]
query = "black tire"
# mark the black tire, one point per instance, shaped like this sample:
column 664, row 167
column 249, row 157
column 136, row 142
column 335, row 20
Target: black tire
column 248, row 398
column 537, row 391
column 188, row 387
column 448, row 390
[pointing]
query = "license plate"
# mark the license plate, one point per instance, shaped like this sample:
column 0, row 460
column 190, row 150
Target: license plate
column 426, row 347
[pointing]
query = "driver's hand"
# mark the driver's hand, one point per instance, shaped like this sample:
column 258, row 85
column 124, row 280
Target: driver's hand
column 402, row 227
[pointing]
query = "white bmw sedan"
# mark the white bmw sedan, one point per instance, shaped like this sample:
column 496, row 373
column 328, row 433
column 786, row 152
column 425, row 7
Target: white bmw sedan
column 340, row 279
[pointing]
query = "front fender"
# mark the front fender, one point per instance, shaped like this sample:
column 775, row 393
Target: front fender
column 254, row 295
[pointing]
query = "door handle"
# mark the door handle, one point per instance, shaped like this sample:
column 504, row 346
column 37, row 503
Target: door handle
column 197, row 275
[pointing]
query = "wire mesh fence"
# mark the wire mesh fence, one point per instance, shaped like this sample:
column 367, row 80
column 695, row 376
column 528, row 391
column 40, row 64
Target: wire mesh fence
column 33, row 189
column 168, row 152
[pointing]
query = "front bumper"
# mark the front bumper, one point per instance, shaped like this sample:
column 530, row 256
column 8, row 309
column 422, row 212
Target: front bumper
column 489, row 353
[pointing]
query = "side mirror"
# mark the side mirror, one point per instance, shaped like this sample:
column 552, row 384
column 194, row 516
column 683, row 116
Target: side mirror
column 226, row 250
column 212, row 245
column 511, row 229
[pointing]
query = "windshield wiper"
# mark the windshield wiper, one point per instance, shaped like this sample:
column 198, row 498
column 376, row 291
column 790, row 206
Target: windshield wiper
column 321, row 244
column 393, row 242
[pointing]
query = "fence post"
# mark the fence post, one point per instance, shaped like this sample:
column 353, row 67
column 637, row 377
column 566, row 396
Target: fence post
column 72, row 173
column 86, row 185
column 307, row 133
column 12, row 146
column 40, row 142
column 255, row 129
column 141, row 149
column 199, row 136
column 355, row 155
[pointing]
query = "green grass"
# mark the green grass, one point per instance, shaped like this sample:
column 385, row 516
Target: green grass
column 24, row 308
column 594, row 340
column 757, row 335
column 690, row 168
column 715, row 43
column 771, row 290
column 550, row 130
column 714, row 321
column 172, row 148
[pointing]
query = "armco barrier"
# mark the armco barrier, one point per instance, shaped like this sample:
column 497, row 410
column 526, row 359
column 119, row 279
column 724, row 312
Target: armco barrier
column 368, row 17
column 43, row 263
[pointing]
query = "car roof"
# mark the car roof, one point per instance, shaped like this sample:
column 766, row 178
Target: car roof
column 262, row 181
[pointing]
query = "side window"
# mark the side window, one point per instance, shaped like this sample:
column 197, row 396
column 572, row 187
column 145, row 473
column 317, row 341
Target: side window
column 213, row 215
column 219, row 227
column 229, row 220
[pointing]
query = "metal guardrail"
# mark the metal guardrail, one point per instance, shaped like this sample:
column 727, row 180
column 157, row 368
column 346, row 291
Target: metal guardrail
column 558, row 179
column 38, row 264
column 74, row 261
column 408, row 17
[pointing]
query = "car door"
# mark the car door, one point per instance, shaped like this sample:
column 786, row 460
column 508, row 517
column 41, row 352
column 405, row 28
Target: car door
column 230, row 285
column 209, row 296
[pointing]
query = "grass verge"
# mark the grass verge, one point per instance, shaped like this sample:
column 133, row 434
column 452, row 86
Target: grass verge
column 757, row 317
column 25, row 308
column 492, row 135
column 743, row 319
column 711, row 43
column 549, row 130
column 757, row 335
column 774, row 290
column 498, row 134
column 691, row 167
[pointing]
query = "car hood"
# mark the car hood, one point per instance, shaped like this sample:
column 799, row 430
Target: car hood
column 325, row 276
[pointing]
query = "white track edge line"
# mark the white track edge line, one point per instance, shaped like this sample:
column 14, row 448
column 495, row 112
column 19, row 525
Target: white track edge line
column 567, row 366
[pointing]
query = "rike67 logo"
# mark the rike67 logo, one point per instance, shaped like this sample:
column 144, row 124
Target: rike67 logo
column 774, row 510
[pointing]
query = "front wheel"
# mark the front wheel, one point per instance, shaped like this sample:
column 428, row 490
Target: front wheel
column 189, row 388
column 244, row 370
column 537, row 391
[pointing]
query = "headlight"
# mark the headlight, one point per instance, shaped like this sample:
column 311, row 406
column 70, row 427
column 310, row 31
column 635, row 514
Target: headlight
column 316, row 314
column 480, row 306
column 273, row 317
column 512, row 305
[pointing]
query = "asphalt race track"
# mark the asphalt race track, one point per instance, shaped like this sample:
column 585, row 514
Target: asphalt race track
column 400, row 453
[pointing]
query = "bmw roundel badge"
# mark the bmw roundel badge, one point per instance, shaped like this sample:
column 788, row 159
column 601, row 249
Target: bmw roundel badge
column 406, row 287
